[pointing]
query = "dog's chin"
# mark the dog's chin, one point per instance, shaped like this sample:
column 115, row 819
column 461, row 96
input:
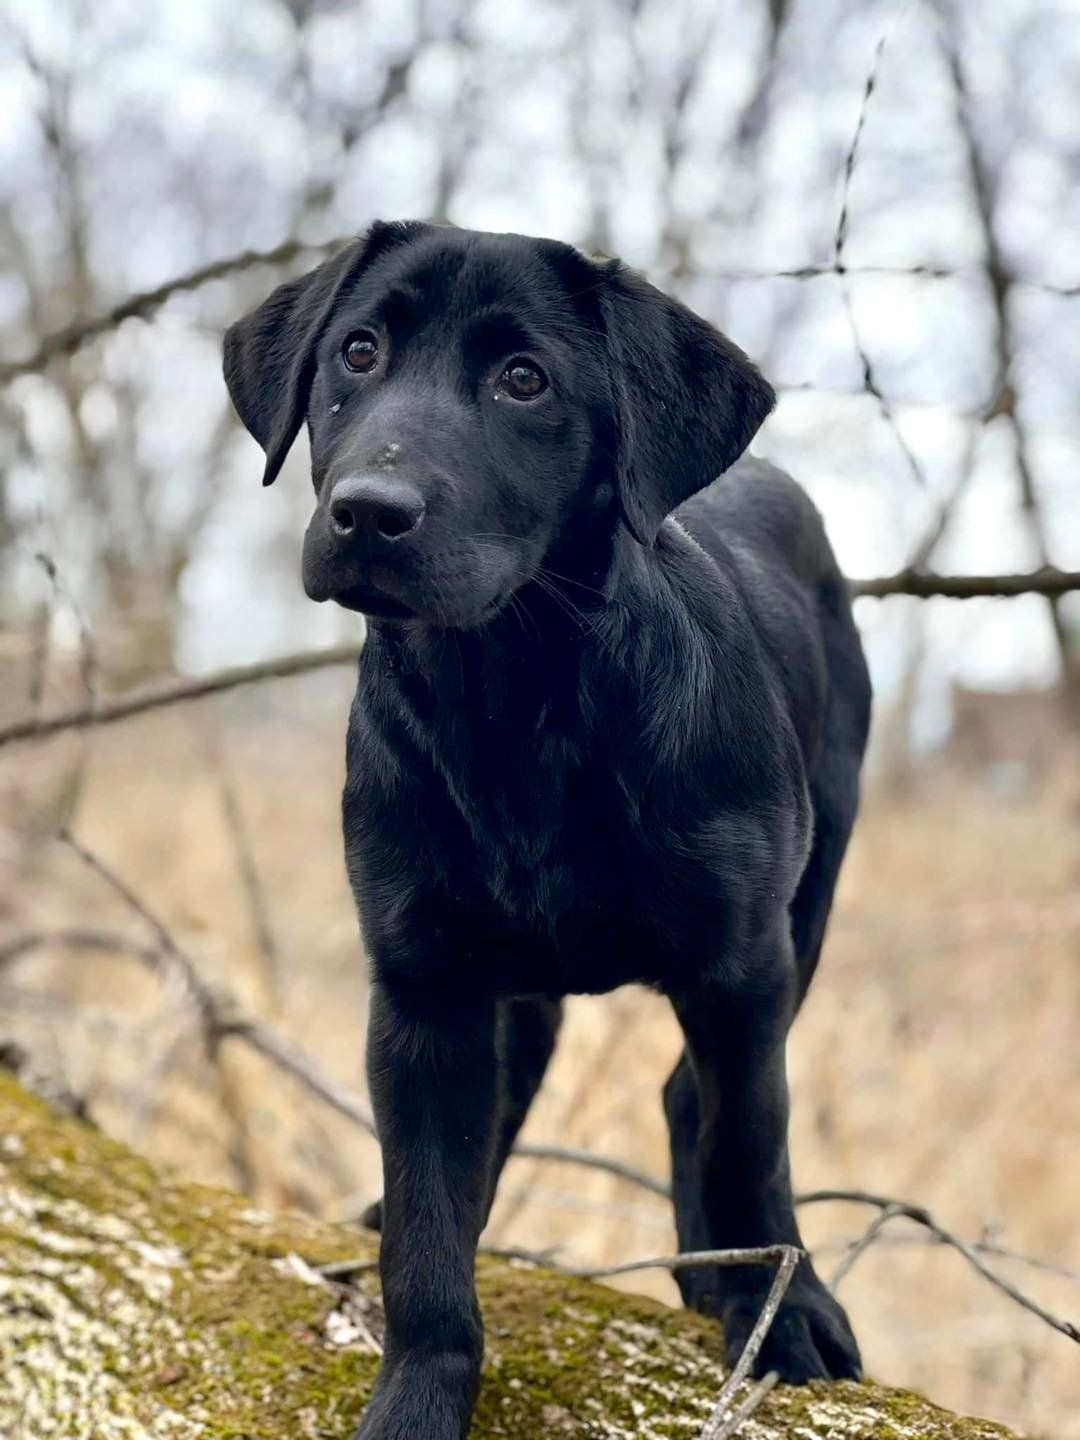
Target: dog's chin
column 372, row 603
column 464, row 612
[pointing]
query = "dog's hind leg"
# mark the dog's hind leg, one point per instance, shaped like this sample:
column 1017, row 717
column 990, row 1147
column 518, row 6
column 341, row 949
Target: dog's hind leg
column 834, row 790
column 834, row 795
column 684, row 1119
column 527, row 1035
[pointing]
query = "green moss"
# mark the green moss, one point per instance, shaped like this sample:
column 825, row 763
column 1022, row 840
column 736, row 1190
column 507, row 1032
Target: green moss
column 171, row 1310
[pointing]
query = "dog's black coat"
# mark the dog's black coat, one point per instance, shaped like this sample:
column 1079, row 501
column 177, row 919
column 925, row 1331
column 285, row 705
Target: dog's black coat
column 589, row 745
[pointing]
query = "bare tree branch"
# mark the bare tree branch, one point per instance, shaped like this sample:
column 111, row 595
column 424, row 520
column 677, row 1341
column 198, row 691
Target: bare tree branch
column 892, row 1208
column 731, row 1424
column 77, row 938
column 1048, row 580
column 143, row 303
column 152, row 697
column 863, row 1243
column 291, row 1059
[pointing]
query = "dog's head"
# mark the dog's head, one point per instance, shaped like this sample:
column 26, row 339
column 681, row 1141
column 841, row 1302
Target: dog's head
column 479, row 403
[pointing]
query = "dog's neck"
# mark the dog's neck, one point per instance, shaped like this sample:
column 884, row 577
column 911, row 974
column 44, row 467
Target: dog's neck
column 575, row 609
column 547, row 689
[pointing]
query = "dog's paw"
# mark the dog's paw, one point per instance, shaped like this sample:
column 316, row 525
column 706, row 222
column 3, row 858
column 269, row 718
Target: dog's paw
column 809, row 1339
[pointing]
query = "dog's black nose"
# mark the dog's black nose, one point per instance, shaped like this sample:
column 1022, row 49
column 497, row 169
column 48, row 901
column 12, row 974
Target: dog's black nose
column 374, row 507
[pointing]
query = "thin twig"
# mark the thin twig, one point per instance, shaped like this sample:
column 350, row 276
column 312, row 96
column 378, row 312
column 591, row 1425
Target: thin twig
column 870, row 381
column 545, row 1260
column 87, row 669
column 921, row 1239
column 998, row 271
column 921, row 1216
column 38, row 631
column 202, row 1000
column 862, row 1244
column 732, row 1424
column 294, row 1062
column 198, row 993
column 685, row 1260
column 569, row 1155
column 248, row 870
column 77, row 938
column 718, row 1423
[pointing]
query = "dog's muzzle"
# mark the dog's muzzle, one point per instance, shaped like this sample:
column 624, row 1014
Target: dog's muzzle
column 358, row 548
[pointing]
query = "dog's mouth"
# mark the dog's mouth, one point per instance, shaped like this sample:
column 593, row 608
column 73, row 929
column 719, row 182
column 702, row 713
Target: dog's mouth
column 420, row 587
column 369, row 601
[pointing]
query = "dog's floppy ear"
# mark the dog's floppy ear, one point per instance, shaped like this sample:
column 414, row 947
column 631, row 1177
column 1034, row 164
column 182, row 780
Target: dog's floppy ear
column 269, row 359
column 688, row 401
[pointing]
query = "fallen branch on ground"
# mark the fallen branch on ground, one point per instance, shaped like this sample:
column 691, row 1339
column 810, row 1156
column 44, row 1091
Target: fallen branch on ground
column 221, row 1327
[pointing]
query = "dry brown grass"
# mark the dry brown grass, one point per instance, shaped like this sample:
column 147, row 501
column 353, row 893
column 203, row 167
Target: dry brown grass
column 937, row 1057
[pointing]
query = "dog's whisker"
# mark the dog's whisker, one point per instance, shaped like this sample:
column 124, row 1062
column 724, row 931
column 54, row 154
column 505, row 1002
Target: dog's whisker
column 568, row 580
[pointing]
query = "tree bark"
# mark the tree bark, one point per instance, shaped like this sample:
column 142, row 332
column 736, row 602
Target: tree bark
column 136, row 1305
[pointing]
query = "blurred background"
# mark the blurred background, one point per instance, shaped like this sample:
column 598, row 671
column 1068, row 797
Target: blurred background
column 881, row 203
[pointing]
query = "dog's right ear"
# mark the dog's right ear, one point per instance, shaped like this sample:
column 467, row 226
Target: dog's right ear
column 269, row 359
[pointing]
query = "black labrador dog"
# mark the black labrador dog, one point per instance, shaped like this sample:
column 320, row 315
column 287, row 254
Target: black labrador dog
column 608, row 729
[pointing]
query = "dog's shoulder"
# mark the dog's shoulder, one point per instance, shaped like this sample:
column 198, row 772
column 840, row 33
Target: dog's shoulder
column 757, row 507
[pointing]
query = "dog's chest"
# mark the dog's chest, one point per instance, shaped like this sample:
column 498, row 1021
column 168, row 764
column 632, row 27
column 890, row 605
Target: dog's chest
column 560, row 847
column 542, row 815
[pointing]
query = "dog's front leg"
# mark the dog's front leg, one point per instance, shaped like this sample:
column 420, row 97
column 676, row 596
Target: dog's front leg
column 432, row 1073
column 727, row 1107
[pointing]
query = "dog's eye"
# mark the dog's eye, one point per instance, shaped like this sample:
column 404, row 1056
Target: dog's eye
column 360, row 351
column 522, row 380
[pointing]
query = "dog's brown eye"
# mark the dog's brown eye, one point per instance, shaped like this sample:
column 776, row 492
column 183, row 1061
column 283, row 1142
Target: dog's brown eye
column 522, row 380
column 360, row 351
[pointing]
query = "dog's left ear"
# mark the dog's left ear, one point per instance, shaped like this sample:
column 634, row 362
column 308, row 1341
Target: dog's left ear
column 269, row 358
column 688, row 401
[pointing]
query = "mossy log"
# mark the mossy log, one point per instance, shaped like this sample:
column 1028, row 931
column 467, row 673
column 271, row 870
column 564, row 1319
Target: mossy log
column 135, row 1305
